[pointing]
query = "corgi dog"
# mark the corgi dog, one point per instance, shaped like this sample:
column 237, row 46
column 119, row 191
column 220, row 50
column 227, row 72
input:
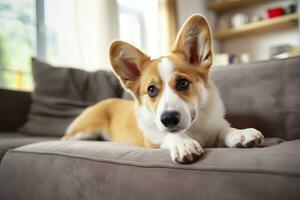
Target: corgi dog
column 176, row 106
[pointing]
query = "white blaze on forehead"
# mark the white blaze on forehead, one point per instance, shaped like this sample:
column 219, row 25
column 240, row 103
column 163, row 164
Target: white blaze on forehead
column 165, row 68
column 169, row 99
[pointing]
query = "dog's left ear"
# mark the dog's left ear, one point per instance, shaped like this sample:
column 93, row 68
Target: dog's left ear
column 194, row 42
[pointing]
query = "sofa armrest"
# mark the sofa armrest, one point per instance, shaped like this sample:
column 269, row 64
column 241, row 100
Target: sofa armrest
column 14, row 108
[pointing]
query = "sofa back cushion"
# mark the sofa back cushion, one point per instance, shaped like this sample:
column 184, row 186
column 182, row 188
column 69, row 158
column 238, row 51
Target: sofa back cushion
column 263, row 95
column 60, row 94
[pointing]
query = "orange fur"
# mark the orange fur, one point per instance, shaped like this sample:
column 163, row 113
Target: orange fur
column 114, row 118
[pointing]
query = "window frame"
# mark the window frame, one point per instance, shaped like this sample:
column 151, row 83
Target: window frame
column 139, row 16
column 40, row 29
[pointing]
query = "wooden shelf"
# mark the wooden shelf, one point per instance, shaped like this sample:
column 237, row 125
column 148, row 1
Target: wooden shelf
column 226, row 5
column 276, row 23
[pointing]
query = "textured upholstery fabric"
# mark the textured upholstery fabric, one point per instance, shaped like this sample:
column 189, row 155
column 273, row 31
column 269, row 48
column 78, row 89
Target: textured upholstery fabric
column 263, row 95
column 14, row 107
column 105, row 170
column 61, row 94
column 12, row 140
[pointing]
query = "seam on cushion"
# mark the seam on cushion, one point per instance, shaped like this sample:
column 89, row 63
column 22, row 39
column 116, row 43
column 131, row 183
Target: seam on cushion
column 163, row 166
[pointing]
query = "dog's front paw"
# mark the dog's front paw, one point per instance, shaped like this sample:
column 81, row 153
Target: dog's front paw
column 186, row 151
column 249, row 137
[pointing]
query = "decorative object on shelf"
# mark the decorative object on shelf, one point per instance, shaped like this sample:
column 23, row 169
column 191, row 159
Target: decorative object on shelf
column 244, row 58
column 284, row 51
column 223, row 59
column 294, row 51
column 290, row 9
column 279, row 49
column 275, row 12
column 239, row 19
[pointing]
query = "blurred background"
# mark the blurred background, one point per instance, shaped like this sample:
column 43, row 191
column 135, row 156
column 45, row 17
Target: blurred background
column 77, row 33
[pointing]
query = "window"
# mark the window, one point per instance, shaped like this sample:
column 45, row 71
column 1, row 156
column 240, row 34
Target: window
column 17, row 43
column 62, row 33
column 139, row 24
column 77, row 33
column 131, row 25
column 70, row 33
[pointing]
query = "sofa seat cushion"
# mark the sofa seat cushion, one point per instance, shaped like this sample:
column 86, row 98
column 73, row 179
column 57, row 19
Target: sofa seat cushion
column 13, row 140
column 106, row 170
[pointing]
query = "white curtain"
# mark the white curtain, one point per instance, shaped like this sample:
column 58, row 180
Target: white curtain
column 79, row 32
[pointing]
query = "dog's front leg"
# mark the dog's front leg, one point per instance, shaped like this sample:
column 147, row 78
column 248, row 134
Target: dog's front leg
column 232, row 137
column 183, row 149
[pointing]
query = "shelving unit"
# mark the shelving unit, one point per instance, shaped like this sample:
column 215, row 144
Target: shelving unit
column 226, row 5
column 248, row 38
column 276, row 23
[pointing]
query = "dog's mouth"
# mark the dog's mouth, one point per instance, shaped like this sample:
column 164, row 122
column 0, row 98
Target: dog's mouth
column 175, row 130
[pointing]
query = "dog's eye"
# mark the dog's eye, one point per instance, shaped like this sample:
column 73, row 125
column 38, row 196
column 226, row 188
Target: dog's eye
column 182, row 84
column 152, row 91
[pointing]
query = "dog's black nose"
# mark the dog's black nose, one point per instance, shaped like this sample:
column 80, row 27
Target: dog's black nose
column 170, row 118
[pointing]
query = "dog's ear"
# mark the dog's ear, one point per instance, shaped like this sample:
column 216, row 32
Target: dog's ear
column 194, row 42
column 126, row 61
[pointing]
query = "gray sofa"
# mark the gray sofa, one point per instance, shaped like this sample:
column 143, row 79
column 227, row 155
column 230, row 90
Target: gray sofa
column 263, row 95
